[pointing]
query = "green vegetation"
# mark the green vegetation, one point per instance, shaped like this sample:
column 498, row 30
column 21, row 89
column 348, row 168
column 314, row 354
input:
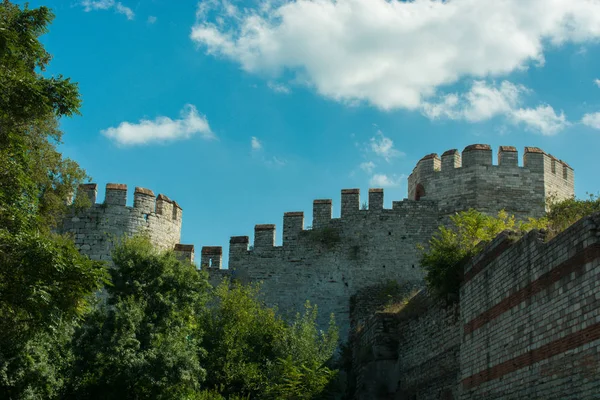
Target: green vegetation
column 164, row 333
column 157, row 329
column 45, row 284
column 252, row 351
column 452, row 246
column 563, row 214
column 144, row 341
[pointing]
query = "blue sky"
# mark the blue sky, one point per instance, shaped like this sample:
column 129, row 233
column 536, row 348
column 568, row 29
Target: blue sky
column 241, row 111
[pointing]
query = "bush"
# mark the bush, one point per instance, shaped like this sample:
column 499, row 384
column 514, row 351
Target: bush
column 451, row 247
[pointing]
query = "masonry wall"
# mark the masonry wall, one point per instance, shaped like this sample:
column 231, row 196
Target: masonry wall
column 95, row 229
column 530, row 315
column 428, row 365
column 470, row 180
column 413, row 353
column 337, row 257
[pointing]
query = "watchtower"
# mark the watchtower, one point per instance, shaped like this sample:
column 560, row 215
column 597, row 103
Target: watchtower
column 470, row 180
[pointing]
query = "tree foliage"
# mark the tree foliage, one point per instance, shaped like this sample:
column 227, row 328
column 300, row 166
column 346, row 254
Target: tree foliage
column 562, row 214
column 144, row 342
column 453, row 245
column 469, row 231
column 35, row 180
column 250, row 351
column 45, row 284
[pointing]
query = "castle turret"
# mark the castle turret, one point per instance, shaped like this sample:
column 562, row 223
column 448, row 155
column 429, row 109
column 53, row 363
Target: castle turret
column 97, row 228
column 472, row 181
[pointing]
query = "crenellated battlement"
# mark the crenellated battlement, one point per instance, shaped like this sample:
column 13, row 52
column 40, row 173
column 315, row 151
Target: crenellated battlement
column 371, row 244
column 95, row 228
column 293, row 221
column 481, row 154
column 144, row 200
column 470, row 179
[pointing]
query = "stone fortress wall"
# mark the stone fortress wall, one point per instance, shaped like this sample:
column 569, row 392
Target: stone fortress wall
column 340, row 256
column 459, row 182
column 95, row 229
column 527, row 321
column 527, row 326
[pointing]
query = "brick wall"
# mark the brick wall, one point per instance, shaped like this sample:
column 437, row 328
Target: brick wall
column 530, row 314
column 410, row 354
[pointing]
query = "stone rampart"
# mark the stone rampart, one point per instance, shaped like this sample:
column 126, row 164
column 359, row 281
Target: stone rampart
column 530, row 316
column 338, row 256
column 527, row 327
column 470, row 180
column 410, row 353
column 95, row 229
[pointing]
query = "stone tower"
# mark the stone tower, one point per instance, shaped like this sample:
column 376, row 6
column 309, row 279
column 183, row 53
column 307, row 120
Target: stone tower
column 459, row 182
column 95, row 229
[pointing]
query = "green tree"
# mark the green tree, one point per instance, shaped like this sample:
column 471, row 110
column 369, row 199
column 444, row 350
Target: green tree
column 45, row 284
column 453, row 245
column 34, row 178
column 145, row 341
column 250, row 351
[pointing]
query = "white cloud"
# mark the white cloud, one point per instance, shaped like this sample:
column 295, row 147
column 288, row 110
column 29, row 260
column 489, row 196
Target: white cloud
column 481, row 102
column 484, row 101
column 383, row 147
column 91, row 5
column 391, row 53
column 542, row 119
column 597, row 82
column 367, row 166
column 151, row 19
column 255, row 144
column 592, row 120
column 278, row 87
column 162, row 129
column 383, row 181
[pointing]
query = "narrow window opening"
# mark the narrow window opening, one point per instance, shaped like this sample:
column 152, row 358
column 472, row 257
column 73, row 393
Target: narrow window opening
column 210, row 263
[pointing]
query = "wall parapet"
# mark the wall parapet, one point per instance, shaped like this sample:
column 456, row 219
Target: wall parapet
column 294, row 233
column 144, row 200
column 95, row 228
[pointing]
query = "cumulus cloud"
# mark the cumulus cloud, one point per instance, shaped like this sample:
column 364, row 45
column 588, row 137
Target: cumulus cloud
column 255, row 143
column 278, row 87
column 91, row 5
column 162, row 129
column 151, row 19
column 592, row 120
column 542, row 119
column 383, row 147
column 391, row 53
column 383, row 181
column 484, row 101
column 597, row 82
